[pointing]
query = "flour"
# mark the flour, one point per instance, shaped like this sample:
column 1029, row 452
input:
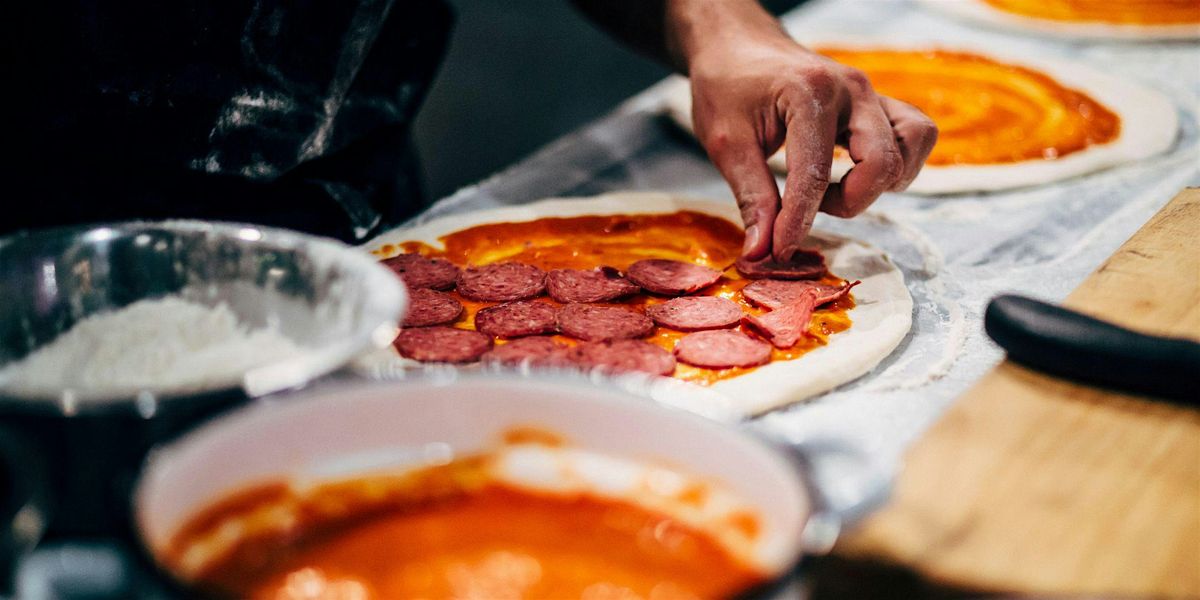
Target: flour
column 159, row 345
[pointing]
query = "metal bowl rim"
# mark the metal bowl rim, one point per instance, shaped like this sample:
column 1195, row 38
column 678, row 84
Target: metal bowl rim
column 387, row 300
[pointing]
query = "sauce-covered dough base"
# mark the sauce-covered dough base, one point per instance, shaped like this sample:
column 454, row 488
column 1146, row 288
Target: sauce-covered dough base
column 618, row 241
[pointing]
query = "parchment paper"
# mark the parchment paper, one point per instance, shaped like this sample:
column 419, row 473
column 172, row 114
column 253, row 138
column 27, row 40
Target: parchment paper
column 956, row 251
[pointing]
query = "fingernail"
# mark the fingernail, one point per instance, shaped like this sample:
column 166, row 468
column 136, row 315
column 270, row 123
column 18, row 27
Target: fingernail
column 752, row 239
column 786, row 255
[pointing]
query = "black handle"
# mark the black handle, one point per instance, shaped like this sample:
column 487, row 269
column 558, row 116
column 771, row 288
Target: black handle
column 1069, row 344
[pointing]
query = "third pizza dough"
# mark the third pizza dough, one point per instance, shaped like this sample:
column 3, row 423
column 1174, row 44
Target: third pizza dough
column 1004, row 122
column 1091, row 19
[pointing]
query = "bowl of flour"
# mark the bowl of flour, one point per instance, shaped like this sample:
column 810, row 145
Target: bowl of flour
column 116, row 338
column 148, row 311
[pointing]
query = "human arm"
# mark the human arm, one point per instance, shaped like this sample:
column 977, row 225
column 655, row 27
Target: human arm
column 754, row 89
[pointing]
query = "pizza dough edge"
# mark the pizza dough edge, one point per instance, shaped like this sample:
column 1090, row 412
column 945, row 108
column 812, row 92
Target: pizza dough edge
column 981, row 13
column 881, row 318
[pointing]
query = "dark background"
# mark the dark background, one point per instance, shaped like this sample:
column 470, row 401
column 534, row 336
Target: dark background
column 520, row 73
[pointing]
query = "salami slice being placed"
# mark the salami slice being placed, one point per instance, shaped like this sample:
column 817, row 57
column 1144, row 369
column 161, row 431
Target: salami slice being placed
column 501, row 282
column 539, row 351
column 805, row 264
column 597, row 285
column 442, row 344
column 602, row 323
column 671, row 277
column 722, row 349
column 622, row 356
column 420, row 272
column 784, row 326
column 777, row 293
column 429, row 307
column 694, row 313
column 517, row 319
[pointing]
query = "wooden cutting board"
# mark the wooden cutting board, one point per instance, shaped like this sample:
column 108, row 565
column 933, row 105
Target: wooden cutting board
column 1034, row 484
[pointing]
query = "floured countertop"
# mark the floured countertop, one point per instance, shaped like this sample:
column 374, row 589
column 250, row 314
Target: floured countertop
column 1034, row 484
column 956, row 251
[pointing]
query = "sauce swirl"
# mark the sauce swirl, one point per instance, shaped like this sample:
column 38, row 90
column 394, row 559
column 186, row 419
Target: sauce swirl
column 987, row 112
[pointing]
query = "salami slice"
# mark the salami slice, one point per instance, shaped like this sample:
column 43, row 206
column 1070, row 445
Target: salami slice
column 693, row 313
column 805, row 264
column 602, row 284
column 420, row 272
column 721, row 349
column 501, row 282
column 517, row 319
column 539, row 351
column 430, row 307
column 777, row 293
column 622, row 356
column 601, row 323
column 442, row 344
column 784, row 326
column 671, row 277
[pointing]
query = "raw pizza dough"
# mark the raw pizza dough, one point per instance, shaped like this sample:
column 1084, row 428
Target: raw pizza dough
column 881, row 318
column 1149, row 123
column 982, row 13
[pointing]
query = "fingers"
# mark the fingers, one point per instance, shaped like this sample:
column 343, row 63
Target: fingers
column 818, row 103
column 916, row 135
column 811, row 132
column 740, row 159
column 878, row 162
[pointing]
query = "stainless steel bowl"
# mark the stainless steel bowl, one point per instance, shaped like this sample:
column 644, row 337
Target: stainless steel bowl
column 333, row 300
column 327, row 297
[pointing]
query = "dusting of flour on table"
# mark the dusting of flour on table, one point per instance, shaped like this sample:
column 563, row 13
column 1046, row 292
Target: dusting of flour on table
column 156, row 345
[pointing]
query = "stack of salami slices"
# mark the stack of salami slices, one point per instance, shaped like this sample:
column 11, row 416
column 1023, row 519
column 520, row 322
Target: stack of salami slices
column 528, row 309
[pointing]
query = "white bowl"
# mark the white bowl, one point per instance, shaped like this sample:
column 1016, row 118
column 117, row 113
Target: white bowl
column 344, row 431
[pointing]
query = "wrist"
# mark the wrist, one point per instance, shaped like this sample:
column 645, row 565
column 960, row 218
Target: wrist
column 696, row 29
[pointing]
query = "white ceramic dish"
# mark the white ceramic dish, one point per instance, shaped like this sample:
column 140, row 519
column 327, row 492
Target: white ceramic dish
column 344, row 432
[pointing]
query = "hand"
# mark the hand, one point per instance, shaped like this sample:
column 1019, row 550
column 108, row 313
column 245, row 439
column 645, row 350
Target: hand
column 754, row 88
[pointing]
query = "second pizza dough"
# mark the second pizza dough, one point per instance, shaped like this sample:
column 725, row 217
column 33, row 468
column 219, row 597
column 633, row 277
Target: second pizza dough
column 1147, row 121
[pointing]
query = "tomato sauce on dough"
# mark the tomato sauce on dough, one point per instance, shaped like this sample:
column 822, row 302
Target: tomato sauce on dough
column 442, row 533
column 987, row 112
column 1115, row 12
column 618, row 241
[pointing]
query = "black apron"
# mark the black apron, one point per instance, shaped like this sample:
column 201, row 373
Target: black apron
column 289, row 113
